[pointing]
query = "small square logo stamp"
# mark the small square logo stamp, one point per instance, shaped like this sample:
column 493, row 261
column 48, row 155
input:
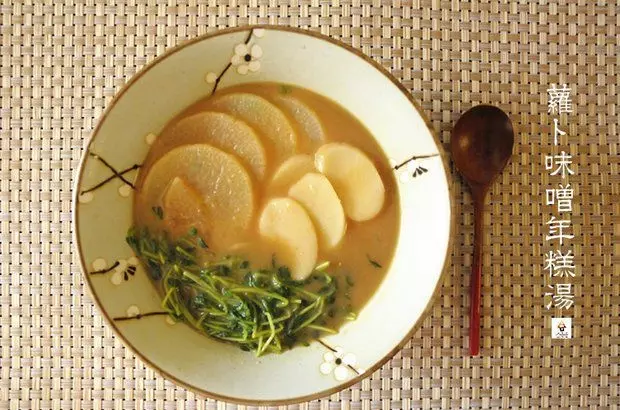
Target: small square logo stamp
column 561, row 328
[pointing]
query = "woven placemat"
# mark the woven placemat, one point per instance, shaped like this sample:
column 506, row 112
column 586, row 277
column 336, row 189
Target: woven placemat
column 62, row 63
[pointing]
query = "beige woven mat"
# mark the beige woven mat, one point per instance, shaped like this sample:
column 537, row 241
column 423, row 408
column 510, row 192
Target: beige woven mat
column 61, row 64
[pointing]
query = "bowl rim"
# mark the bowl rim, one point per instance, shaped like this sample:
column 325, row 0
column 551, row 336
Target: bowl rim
column 197, row 390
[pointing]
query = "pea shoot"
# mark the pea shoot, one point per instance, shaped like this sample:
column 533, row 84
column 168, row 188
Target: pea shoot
column 259, row 310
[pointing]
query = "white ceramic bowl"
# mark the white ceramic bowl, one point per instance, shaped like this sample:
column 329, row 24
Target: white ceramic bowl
column 122, row 290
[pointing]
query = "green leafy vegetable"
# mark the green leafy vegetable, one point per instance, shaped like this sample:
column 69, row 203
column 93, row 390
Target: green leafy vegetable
column 202, row 243
column 260, row 310
column 374, row 262
column 322, row 266
column 159, row 212
column 285, row 89
column 351, row 316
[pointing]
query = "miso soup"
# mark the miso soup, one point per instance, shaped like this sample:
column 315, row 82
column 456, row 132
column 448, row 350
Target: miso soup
column 267, row 215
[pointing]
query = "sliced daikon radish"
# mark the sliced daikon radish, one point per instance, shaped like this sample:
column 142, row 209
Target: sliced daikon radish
column 218, row 178
column 286, row 224
column 290, row 171
column 354, row 177
column 264, row 117
column 223, row 131
column 307, row 120
column 184, row 209
column 316, row 194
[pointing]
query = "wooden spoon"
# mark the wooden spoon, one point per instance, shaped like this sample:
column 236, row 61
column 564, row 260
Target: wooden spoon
column 481, row 146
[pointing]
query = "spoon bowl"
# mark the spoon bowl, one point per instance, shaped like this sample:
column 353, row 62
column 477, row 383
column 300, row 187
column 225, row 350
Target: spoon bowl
column 481, row 146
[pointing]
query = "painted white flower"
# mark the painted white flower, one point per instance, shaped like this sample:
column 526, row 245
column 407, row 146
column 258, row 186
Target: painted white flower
column 402, row 171
column 211, row 77
column 247, row 58
column 259, row 32
column 85, row 197
column 117, row 275
column 150, row 138
column 124, row 190
column 99, row 264
column 407, row 170
column 338, row 362
column 124, row 270
column 133, row 311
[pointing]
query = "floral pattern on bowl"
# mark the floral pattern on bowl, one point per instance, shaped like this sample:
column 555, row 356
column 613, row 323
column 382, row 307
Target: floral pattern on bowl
column 104, row 193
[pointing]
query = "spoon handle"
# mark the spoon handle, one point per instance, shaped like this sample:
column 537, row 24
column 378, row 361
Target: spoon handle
column 476, row 273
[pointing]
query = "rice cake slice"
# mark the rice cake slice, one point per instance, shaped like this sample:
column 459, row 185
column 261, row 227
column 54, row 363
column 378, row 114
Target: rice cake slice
column 286, row 224
column 316, row 194
column 354, row 177
column 290, row 171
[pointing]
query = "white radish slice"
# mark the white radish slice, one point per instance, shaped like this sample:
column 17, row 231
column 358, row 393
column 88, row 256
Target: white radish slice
column 290, row 171
column 184, row 209
column 223, row 131
column 286, row 224
column 218, row 178
column 316, row 194
column 354, row 177
column 304, row 116
column 264, row 117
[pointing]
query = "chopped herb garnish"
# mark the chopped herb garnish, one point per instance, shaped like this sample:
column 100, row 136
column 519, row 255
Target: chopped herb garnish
column 202, row 243
column 351, row 316
column 264, row 311
column 374, row 262
column 349, row 313
column 158, row 211
column 193, row 231
column 285, row 89
column 322, row 266
column 132, row 239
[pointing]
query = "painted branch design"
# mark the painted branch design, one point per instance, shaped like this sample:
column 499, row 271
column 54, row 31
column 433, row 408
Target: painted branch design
column 106, row 270
column 110, row 178
column 338, row 361
column 402, row 164
column 130, row 268
column 138, row 316
column 219, row 77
